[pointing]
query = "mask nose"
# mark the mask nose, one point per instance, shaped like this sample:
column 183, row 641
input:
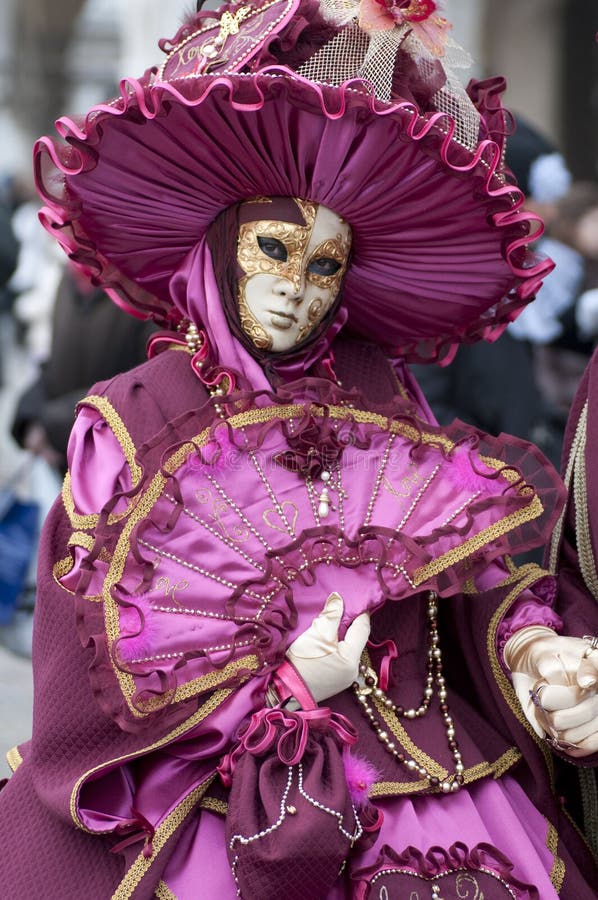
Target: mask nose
column 290, row 289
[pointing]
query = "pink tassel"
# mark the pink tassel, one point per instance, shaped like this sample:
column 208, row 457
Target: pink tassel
column 360, row 775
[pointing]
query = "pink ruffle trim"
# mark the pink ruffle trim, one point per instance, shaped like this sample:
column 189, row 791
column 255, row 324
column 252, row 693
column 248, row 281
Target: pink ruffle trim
column 515, row 277
column 439, row 864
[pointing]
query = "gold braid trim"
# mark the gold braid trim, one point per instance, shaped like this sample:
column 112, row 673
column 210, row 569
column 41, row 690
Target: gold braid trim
column 215, row 805
column 510, row 565
column 509, row 473
column 421, row 758
column 576, row 474
column 210, row 706
column 530, row 574
column 482, row 770
column 143, row 508
column 505, row 762
column 399, row 386
column 163, row 892
column 179, row 347
column 579, row 439
column 519, row 572
column 126, row 681
column 81, row 539
column 14, row 759
column 289, row 411
column 394, row 788
column 589, row 801
column 516, row 574
column 209, row 681
column 163, row 833
column 583, row 535
column 214, row 679
column 62, row 568
column 557, row 874
column 76, row 519
column 457, row 554
column 118, row 428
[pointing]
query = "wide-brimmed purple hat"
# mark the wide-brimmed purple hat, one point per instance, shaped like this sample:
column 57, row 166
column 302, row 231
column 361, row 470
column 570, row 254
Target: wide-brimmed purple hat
column 350, row 104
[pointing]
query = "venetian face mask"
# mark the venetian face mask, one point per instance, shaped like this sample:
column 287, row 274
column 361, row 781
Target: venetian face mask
column 292, row 269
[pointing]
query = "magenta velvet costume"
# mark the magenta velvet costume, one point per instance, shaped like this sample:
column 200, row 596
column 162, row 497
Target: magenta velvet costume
column 188, row 549
column 573, row 555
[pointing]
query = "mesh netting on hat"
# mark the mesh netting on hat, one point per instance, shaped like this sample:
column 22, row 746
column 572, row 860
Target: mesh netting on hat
column 372, row 55
column 355, row 54
column 451, row 98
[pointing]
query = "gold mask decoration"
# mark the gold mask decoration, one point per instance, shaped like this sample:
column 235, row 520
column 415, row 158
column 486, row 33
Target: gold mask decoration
column 292, row 274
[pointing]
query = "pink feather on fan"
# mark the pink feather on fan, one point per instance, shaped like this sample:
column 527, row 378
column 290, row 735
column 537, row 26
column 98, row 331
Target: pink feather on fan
column 360, row 775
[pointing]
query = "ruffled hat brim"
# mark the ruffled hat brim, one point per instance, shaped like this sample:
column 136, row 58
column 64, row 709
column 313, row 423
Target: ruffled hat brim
column 440, row 243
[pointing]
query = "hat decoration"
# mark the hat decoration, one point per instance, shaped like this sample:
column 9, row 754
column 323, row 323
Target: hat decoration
column 353, row 105
column 226, row 42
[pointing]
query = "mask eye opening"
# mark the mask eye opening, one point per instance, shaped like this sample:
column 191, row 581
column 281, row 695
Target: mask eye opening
column 324, row 266
column 272, row 248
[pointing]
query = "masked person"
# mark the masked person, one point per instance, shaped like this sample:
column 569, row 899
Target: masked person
column 573, row 558
column 277, row 618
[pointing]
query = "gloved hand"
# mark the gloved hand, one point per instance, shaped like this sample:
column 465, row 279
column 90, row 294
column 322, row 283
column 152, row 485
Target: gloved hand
column 556, row 681
column 327, row 665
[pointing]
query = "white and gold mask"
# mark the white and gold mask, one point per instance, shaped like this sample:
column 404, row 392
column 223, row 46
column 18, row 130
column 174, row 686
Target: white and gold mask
column 292, row 272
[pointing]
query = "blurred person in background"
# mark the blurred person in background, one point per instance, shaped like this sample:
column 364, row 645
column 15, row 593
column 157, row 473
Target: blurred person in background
column 545, row 179
column 494, row 386
column 92, row 340
column 62, row 336
column 498, row 386
column 34, row 282
column 8, row 243
column 9, row 248
column 564, row 329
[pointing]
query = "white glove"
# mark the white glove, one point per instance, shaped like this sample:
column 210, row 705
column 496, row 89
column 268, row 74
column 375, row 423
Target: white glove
column 556, row 681
column 327, row 665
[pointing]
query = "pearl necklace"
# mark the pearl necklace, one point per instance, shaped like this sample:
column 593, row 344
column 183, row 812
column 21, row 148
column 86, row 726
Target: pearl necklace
column 368, row 687
column 196, row 342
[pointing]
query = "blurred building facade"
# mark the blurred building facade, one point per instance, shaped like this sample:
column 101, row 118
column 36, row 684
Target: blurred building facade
column 62, row 55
